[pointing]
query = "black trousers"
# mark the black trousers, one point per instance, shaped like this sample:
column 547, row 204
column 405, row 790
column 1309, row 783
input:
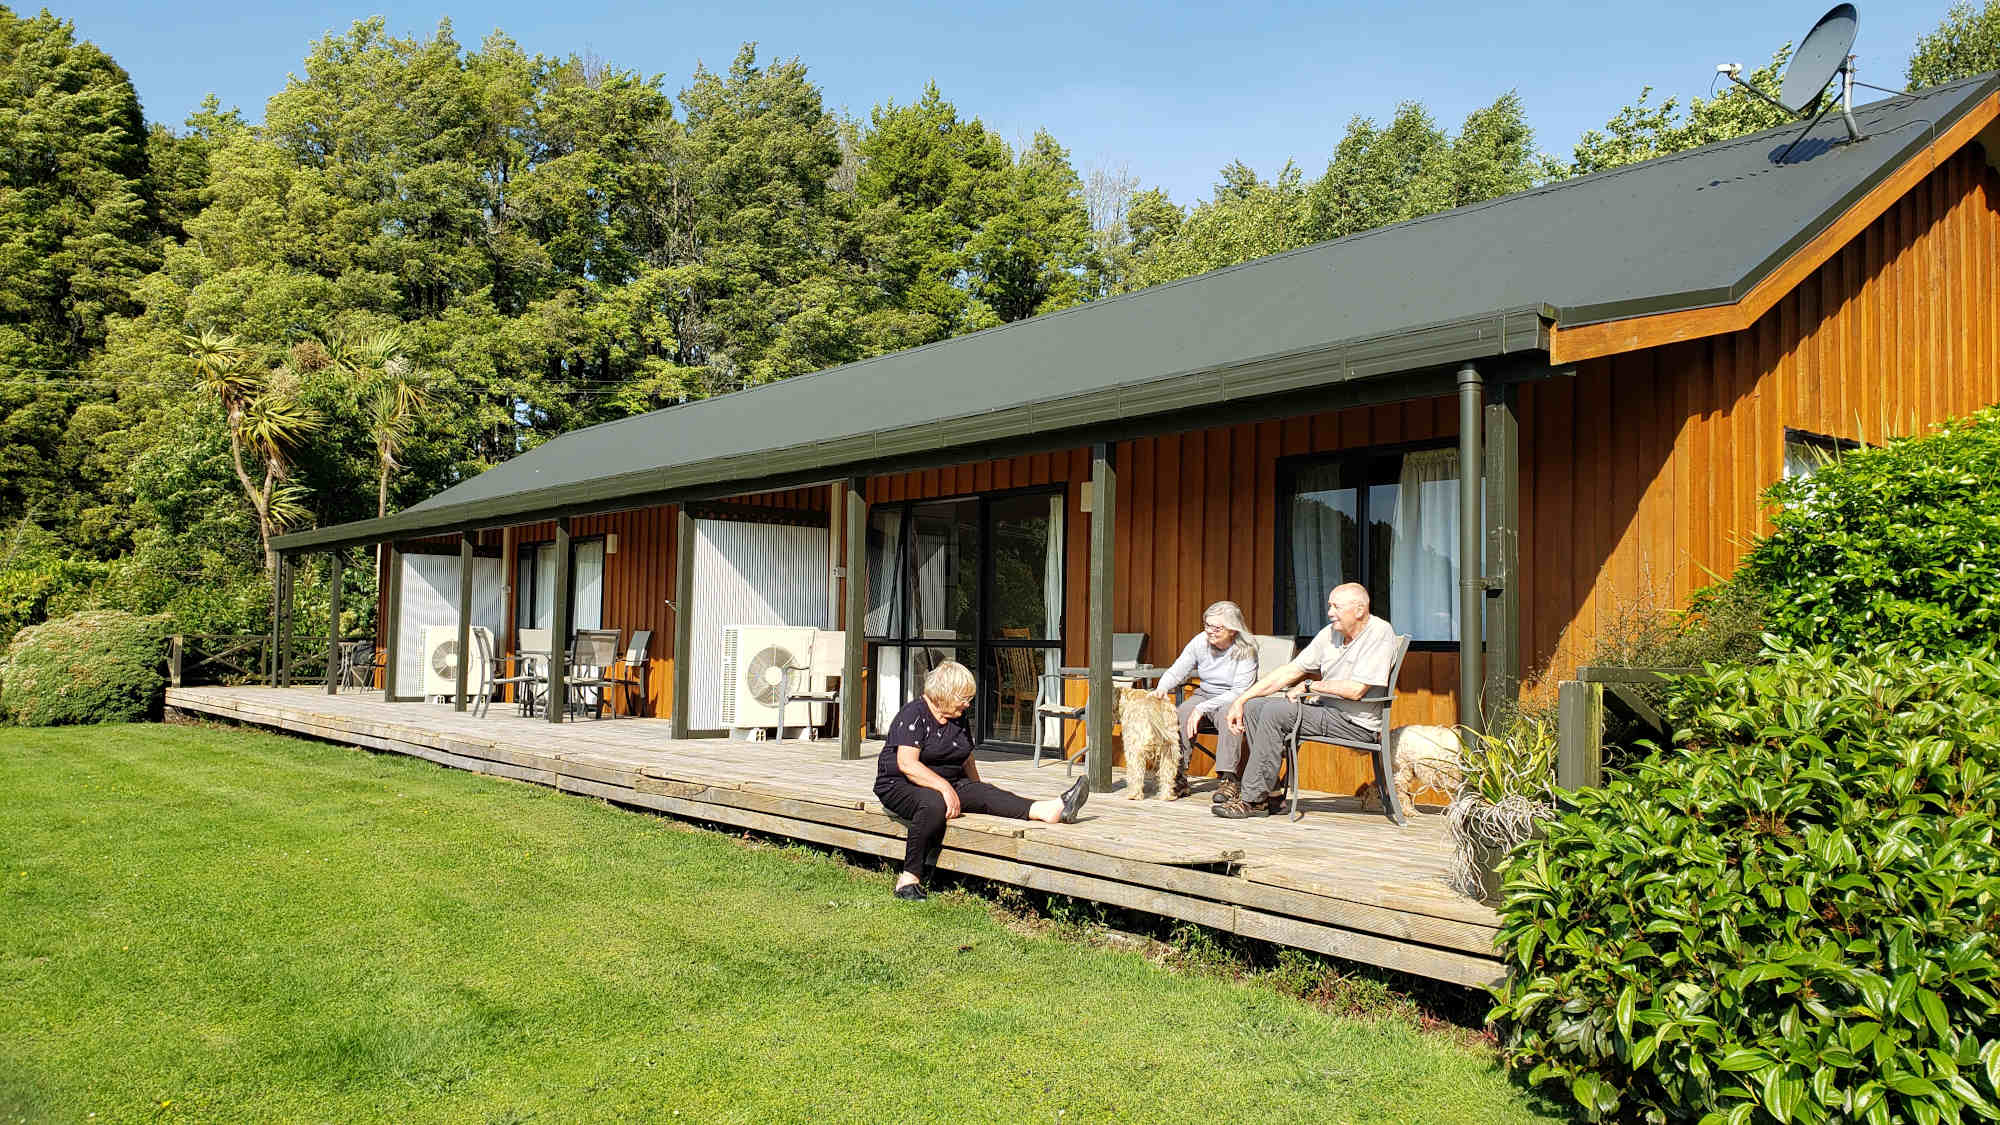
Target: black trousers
column 924, row 809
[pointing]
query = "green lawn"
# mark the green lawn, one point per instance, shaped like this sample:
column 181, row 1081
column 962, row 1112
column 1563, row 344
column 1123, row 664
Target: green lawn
column 211, row 925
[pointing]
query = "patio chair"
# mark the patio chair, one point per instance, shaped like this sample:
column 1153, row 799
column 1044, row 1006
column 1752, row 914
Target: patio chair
column 590, row 661
column 634, row 668
column 1272, row 653
column 480, row 678
column 1050, row 703
column 531, row 678
column 825, row 660
column 358, row 662
column 1380, row 746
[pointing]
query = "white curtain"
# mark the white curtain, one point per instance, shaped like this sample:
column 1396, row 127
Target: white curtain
column 1052, row 594
column 1322, row 517
column 1423, row 566
column 545, row 585
column 589, row 562
column 888, row 676
column 885, row 576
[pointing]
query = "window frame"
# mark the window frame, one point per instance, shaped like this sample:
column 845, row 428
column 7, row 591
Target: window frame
column 527, row 551
column 1834, row 447
column 1358, row 460
column 981, row 644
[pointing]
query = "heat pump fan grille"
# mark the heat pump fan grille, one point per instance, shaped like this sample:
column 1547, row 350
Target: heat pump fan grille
column 761, row 677
column 444, row 659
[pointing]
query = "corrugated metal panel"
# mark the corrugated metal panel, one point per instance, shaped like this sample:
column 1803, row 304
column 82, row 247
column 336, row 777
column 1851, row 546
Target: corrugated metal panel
column 749, row 574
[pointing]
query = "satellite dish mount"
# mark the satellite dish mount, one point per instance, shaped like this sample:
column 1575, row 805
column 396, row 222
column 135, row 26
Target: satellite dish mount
column 1826, row 53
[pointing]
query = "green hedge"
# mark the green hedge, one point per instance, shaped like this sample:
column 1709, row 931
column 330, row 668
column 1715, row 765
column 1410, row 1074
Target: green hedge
column 1900, row 543
column 1791, row 916
column 101, row 666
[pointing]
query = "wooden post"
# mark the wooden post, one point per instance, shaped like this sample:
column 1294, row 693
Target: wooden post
column 176, row 645
column 392, row 614
column 281, row 623
column 1103, row 546
column 854, row 701
column 1580, row 729
column 334, row 559
column 464, row 620
column 1503, row 549
column 683, row 621
column 559, row 625
column 1471, row 538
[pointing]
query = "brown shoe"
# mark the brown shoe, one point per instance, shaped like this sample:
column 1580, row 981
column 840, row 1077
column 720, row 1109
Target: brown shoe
column 1228, row 789
column 1238, row 809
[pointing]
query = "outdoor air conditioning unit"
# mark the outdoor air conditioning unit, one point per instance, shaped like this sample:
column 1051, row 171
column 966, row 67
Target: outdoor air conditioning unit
column 751, row 658
column 441, row 660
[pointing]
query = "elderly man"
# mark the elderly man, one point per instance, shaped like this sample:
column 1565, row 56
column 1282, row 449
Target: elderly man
column 1351, row 658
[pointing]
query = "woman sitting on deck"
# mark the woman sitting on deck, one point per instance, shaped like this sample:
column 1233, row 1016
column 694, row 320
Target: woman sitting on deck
column 927, row 774
column 1225, row 659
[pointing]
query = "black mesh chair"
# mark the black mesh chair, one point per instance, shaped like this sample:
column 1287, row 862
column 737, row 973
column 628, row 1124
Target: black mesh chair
column 1379, row 746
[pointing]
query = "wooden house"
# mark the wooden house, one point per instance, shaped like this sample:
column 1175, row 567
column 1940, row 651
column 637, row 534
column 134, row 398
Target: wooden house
column 1623, row 360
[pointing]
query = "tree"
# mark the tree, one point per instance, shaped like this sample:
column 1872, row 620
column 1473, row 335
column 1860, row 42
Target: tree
column 1642, row 132
column 1247, row 217
column 1966, row 43
column 75, row 237
column 265, row 419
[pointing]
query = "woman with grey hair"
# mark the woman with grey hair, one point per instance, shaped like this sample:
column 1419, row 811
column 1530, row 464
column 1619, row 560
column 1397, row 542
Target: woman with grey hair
column 1223, row 655
column 927, row 774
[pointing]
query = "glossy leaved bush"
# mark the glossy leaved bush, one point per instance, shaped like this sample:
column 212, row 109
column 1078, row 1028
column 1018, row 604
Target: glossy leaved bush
column 100, row 666
column 1898, row 543
column 1790, row 915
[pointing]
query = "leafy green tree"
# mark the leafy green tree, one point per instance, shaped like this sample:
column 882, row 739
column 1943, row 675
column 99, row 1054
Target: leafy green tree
column 265, row 420
column 1966, row 43
column 1642, row 131
column 75, row 237
column 1247, row 217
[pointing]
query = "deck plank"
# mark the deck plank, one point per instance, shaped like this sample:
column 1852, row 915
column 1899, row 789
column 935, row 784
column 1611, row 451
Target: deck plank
column 1339, row 881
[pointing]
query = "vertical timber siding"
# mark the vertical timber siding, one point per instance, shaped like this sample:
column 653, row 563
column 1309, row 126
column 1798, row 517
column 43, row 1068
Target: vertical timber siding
column 1640, row 477
column 1197, row 522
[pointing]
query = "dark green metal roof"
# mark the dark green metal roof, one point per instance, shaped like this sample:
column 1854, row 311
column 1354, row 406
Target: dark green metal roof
column 1697, row 229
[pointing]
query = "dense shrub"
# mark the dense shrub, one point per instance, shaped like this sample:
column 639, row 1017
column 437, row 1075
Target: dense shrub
column 101, row 666
column 1788, row 916
column 1898, row 543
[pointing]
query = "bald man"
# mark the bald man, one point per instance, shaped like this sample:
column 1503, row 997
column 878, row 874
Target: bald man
column 1349, row 658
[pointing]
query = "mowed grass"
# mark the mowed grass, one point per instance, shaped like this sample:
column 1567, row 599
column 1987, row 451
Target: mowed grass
column 216, row 925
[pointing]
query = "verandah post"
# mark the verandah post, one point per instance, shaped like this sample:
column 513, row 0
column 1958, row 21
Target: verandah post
column 559, row 625
column 334, row 559
column 683, row 621
column 1103, row 543
column 1471, row 536
column 464, row 619
column 1503, row 548
column 854, row 701
column 392, row 623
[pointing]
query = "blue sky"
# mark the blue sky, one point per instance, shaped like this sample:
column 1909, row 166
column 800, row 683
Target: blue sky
column 1170, row 92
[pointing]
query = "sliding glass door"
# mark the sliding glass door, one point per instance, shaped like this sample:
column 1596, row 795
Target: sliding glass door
column 976, row 580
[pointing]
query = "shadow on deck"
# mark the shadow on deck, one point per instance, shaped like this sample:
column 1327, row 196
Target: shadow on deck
column 1341, row 881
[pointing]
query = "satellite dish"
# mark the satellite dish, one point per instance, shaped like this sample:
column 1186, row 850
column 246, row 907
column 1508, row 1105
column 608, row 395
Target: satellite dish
column 1824, row 54
column 1820, row 56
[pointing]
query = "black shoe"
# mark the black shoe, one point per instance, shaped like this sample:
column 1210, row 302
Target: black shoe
column 1073, row 799
column 1227, row 789
column 911, row 892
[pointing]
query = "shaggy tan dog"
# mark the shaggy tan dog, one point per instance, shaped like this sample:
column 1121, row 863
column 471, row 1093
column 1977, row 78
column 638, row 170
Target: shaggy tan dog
column 1151, row 743
column 1426, row 758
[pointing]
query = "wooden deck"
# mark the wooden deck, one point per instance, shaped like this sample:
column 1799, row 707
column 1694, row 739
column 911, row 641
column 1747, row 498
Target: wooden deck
column 1339, row 881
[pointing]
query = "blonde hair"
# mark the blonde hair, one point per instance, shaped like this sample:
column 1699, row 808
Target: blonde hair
column 1231, row 616
column 949, row 683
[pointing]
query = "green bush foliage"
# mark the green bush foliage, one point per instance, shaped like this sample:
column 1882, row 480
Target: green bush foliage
column 1898, row 543
column 1790, row 916
column 101, row 666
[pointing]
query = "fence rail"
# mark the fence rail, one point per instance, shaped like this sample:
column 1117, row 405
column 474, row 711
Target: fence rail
column 1580, row 705
column 197, row 659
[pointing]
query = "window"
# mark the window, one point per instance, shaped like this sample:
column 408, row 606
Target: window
column 1807, row 453
column 534, row 586
column 1386, row 518
column 978, row 580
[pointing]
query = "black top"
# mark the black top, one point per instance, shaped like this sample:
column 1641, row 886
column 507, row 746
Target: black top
column 943, row 747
